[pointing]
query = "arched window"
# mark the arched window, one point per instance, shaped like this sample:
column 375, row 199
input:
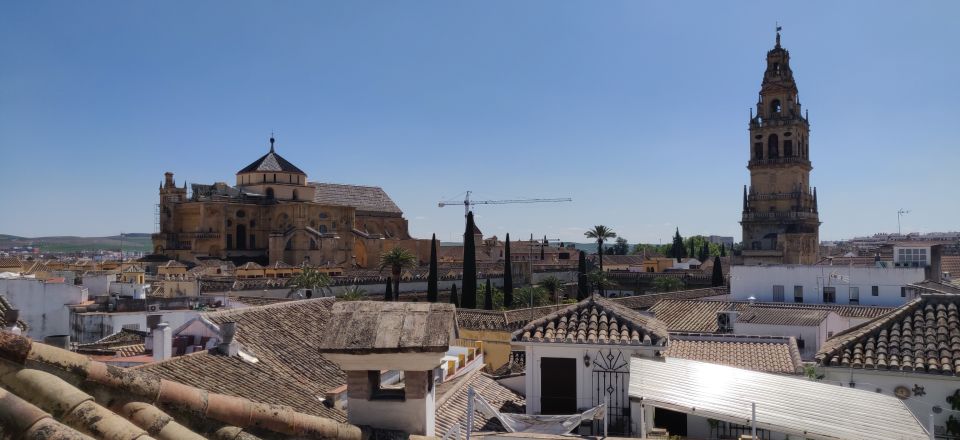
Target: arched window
column 313, row 245
column 295, row 195
column 758, row 150
column 775, row 107
column 773, row 146
column 787, row 148
column 269, row 193
column 323, row 229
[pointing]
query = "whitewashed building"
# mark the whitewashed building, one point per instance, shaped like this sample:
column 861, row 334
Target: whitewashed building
column 43, row 304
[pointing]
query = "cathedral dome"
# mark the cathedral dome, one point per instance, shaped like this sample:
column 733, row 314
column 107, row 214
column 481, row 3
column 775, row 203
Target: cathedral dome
column 271, row 162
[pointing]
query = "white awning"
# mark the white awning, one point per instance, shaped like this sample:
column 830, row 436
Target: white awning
column 785, row 404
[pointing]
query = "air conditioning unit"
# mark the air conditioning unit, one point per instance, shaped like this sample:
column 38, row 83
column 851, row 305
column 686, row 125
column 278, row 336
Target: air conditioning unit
column 153, row 308
column 724, row 324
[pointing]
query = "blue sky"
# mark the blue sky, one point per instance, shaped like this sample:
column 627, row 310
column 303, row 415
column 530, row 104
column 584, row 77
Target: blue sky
column 636, row 110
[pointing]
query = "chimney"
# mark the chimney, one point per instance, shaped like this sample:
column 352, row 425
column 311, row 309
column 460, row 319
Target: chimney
column 162, row 342
column 228, row 346
column 152, row 322
column 934, row 272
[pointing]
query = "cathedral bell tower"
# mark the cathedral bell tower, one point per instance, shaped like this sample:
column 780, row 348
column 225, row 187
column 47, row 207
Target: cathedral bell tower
column 780, row 220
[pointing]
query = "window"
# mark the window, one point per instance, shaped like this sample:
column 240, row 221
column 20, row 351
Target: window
column 269, row 193
column 253, row 242
column 773, row 146
column 798, row 294
column 787, row 148
column 875, row 291
column 131, row 326
column 390, row 391
column 854, row 295
column 758, row 150
column 775, row 106
column 229, row 241
column 778, row 293
column 903, row 292
column 912, row 257
column 323, row 229
column 829, row 295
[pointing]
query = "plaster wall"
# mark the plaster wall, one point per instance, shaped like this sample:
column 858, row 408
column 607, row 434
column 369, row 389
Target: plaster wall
column 43, row 306
column 92, row 326
column 758, row 281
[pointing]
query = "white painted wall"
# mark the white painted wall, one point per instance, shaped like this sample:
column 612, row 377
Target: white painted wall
column 813, row 336
column 92, row 326
column 758, row 281
column 98, row 285
column 936, row 387
column 43, row 306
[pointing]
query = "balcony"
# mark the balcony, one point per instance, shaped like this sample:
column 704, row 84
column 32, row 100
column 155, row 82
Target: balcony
column 780, row 161
column 777, row 215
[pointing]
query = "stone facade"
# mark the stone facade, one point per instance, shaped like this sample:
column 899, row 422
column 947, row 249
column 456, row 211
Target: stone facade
column 274, row 214
column 780, row 219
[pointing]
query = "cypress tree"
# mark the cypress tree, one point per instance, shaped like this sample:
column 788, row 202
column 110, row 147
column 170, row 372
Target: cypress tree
column 678, row 250
column 507, row 275
column 469, row 300
column 488, row 297
column 717, row 279
column 704, row 252
column 583, row 289
column 723, row 249
column 432, row 292
column 453, row 296
column 388, row 293
column 543, row 245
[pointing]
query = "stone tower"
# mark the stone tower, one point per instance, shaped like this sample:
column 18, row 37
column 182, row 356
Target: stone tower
column 780, row 220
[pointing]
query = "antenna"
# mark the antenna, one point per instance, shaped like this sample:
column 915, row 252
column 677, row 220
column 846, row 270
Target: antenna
column 900, row 213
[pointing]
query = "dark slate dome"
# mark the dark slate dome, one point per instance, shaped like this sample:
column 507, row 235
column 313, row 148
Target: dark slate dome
column 271, row 162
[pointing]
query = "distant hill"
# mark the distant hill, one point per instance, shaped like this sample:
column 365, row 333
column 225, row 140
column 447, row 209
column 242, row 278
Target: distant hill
column 131, row 242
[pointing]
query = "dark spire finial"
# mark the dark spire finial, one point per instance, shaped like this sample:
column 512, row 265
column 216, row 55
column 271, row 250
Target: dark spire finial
column 272, row 140
column 779, row 28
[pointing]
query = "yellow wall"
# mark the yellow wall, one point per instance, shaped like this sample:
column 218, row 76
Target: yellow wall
column 496, row 345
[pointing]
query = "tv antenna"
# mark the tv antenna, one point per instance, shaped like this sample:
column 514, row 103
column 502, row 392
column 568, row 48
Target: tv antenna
column 900, row 213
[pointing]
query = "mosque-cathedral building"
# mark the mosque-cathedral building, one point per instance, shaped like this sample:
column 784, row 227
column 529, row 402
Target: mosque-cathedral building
column 780, row 217
column 274, row 214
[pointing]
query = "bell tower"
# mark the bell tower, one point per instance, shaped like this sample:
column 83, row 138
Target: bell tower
column 780, row 219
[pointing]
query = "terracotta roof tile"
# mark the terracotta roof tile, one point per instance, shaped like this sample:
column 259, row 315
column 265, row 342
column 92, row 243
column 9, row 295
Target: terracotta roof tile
column 359, row 326
column 701, row 315
column 368, row 199
column 452, row 402
column 594, row 321
column 644, row 302
column 921, row 336
column 771, row 354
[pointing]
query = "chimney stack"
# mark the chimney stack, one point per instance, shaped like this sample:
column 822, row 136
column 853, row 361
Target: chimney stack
column 228, row 346
column 162, row 342
column 10, row 320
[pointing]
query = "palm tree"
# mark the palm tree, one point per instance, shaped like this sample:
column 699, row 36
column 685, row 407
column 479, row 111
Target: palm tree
column 310, row 280
column 600, row 233
column 397, row 259
column 388, row 291
column 553, row 285
column 599, row 279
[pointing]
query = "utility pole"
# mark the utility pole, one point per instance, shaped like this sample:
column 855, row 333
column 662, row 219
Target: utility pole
column 900, row 213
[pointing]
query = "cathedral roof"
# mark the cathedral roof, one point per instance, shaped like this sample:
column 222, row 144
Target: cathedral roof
column 362, row 198
column 271, row 162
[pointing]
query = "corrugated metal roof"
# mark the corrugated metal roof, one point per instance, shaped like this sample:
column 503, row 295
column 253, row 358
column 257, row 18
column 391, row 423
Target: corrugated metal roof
column 788, row 405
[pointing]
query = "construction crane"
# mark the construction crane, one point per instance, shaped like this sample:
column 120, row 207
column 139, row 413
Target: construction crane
column 468, row 204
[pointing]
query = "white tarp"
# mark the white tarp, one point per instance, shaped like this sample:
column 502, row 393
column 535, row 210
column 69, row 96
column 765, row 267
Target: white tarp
column 539, row 424
column 788, row 405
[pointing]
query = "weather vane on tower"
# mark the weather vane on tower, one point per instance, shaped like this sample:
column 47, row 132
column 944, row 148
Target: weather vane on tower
column 779, row 28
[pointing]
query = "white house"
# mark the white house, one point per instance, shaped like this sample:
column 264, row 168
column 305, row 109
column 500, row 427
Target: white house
column 43, row 305
column 913, row 354
column 824, row 284
column 579, row 357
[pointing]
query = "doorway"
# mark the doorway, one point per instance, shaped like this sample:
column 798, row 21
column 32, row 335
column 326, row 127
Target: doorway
column 558, row 386
column 674, row 422
column 241, row 237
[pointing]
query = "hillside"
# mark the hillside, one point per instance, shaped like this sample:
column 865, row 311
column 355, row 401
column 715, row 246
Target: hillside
column 130, row 242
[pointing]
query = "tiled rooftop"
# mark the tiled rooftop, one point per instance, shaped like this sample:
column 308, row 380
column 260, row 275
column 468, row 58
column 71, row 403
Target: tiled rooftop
column 388, row 327
column 594, row 321
column 921, row 336
column 452, row 402
column 500, row 320
column 782, row 316
column 701, row 315
column 770, row 354
column 39, row 398
column 372, row 199
column 644, row 302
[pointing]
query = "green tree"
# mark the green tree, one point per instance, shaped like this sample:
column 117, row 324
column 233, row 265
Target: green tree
column 621, row 247
column 531, row 296
column 397, row 259
column 704, row 252
column 469, row 266
column 353, row 293
column 454, row 299
column 717, row 279
column 723, row 250
column 667, row 284
column 507, row 275
column 601, row 234
column 310, row 280
column 678, row 250
column 488, row 296
column 432, row 291
column 583, row 286
column 388, row 291
column 599, row 280
column 552, row 284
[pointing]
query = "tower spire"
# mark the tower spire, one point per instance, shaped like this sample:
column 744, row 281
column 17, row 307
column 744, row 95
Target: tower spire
column 779, row 28
column 272, row 140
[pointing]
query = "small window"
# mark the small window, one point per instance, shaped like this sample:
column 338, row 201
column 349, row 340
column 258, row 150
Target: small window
column 875, row 291
column 775, row 106
column 829, row 295
column 773, row 146
column 778, row 293
column 854, row 295
column 380, row 391
column 798, row 294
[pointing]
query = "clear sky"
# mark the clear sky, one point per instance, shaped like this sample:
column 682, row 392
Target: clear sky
column 636, row 110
